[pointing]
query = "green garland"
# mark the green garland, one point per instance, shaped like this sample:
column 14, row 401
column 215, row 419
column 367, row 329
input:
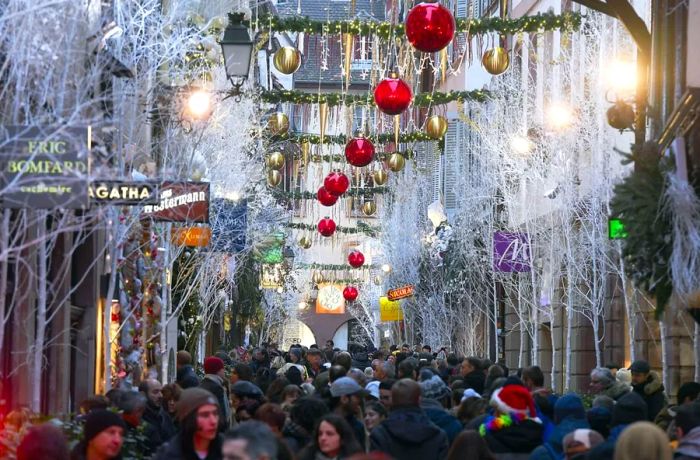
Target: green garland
column 382, row 156
column 542, row 22
column 361, row 227
column 335, row 99
column 353, row 192
column 342, row 139
column 331, row 267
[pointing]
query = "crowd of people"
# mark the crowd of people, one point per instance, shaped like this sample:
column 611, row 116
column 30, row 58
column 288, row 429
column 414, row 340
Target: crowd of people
column 326, row 404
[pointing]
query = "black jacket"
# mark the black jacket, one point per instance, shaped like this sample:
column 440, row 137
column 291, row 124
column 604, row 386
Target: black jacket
column 408, row 434
column 186, row 377
column 521, row 438
column 217, row 389
column 295, row 436
column 163, row 428
column 475, row 380
column 652, row 391
column 173, row 451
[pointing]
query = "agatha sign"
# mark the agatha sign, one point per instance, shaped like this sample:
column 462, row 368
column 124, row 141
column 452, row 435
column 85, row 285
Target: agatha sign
column 511, row 252
column 181, row 202
column 123, row 193
column 44, row 167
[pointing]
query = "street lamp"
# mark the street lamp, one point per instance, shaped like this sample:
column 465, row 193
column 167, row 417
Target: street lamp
column 237, row 48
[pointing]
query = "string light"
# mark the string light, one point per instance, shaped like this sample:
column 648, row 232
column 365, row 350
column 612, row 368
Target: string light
column 199, row 105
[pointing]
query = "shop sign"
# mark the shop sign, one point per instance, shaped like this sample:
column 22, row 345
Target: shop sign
column 390, row 311
column 195, row 237
column 330, row 300
column 123, row 193
column 400, row 293
column 180, row 202
column 511, row 252
column 616, row 229
column 44, row 167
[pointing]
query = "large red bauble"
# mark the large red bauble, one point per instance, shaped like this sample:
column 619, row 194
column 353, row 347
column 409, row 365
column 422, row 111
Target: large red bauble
column 350, row 293
column 392, row 95
column 326, row 226
column 359, row 152
column 336, row 183
column 430, row 27
column 356, row 259
column 325, row 197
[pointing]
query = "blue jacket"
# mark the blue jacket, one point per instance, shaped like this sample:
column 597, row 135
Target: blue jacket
column 439, row 416
column 553, row 449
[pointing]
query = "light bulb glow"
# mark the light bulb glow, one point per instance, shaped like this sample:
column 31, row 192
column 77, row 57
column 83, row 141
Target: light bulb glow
column 621, row 77
column 280, row 290
column 302, row 305
column 386, row 268
column 559, row 116
column 199, row 104
column 520, row 145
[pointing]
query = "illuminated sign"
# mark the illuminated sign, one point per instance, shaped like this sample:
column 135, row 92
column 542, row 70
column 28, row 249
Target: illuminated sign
column 616, row 229
column 197, row 237
column 400, row 293
column 123, row 193
column 181, row 202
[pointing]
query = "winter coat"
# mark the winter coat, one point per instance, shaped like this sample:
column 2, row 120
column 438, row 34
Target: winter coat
column 689, row 446
column 295, row 436
column 606, row 450
column 616, row 390
column 215, row 385
column 521, row 438
column 186, row 377
column 443, row 419
column 652, row 391
column 79, row 452
column 172, row 450
column 475, row 380
column 163, row 427
column 553, row 449
column 408, row 434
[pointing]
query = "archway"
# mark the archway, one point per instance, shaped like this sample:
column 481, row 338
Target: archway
column 297, row 332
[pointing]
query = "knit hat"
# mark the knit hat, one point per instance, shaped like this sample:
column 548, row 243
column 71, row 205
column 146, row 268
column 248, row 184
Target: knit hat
column 434, row 388
column 514, row 399
column 629, row 409
column 192, row 399
column 640, row 366
column 372, row 389
column 569, row 406
column 99, row 420
column 243, row 388
column 345, row 386
column 213, row 365
column 580, row 441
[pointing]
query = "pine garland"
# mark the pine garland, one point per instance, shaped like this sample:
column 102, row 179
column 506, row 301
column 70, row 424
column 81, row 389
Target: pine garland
column 331, row 267
column 381, row 156
column 342, row 139
column 336, row 99
column 361, row 227
column 542, row 22
column 353, row 192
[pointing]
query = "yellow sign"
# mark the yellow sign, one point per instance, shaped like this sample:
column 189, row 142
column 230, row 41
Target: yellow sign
column 389, row 311
column 197, row 237
column 400, row 293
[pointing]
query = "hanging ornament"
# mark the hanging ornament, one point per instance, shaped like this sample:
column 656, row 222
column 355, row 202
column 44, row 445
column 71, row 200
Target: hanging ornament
column 275, row 160
column 396, row 162
column 348, row 40
column 305, row 147
column 436, row 127
column 369, row 208
column 287, row 60
column 380, row 177
column 359, row 151
column 325, row 197
column 392, row 95
column 496, row 60
column 621, row 115
column 336, row 183
column 305, row 242
column 274, row 178
column 278, row 124
column 317, row 277
column 430, row 27
column 356, row 259
column 350, row 293
column 326, row 226
column 323, row 119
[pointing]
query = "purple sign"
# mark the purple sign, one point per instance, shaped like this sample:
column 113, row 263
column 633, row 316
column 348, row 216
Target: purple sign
column 511, row 252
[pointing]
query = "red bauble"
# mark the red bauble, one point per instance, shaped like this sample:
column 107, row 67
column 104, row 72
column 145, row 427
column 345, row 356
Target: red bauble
column 359, row 152
column 325, row 197
column 392, row 95
column 326, row 226
column 336, row 183
column 430, row 27
column 356, row 259
column 350, row 293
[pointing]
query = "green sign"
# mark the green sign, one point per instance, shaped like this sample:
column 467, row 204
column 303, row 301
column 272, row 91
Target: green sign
column 616, row 229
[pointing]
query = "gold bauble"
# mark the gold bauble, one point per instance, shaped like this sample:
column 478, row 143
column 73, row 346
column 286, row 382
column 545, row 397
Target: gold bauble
column 436, row 127
column 380, row 177
column 275, row 160
column 278, row 124
column 287, row 60
column 317, row 277
column 396, row 162
column 369, row 208
column 496, row 60
column 305, row 242
column 274, row 178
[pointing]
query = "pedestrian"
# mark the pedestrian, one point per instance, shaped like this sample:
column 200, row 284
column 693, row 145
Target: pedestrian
column 469, row 445
column 649, row 386
column 250, row 441
column 687, row 431
column 333, row 439
column 43, row 442
column 290, row 394
column 314, row 365
column 133, row 406
column 275, row 417
column 241, row 371
column 579, row 442
column 186, row 377
column 385, row 387
column 629, row 409
column 302, row 419
column 103, row 436
column 346, row 401
column 155, row 414
column 408, row 433
column 215, row 383
column 569, row 415
column 375, row 414
column 687, row 394
column 603, row 383
column 472, row 374
column 198, row 437
column 171, row 395
column 434, row 396
column 643, row 441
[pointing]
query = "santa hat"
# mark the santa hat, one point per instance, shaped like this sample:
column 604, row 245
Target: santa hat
column 514, row 399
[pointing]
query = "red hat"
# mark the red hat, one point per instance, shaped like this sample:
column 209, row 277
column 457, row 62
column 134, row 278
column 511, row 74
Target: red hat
column 212, row 365
column 514, row 399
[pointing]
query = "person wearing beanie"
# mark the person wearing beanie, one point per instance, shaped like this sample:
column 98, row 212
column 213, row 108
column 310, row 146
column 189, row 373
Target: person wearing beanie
column 649, row 386
column 514, row 428
column 599, row 419
column 569, row 415
column 198, row 438
column 214, row 381
column 579, row 442
column 434, row 395
column 628, row 410
column 103, row 436
column 643, row 441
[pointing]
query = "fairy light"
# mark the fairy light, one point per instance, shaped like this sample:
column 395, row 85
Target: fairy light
column 199, row 104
